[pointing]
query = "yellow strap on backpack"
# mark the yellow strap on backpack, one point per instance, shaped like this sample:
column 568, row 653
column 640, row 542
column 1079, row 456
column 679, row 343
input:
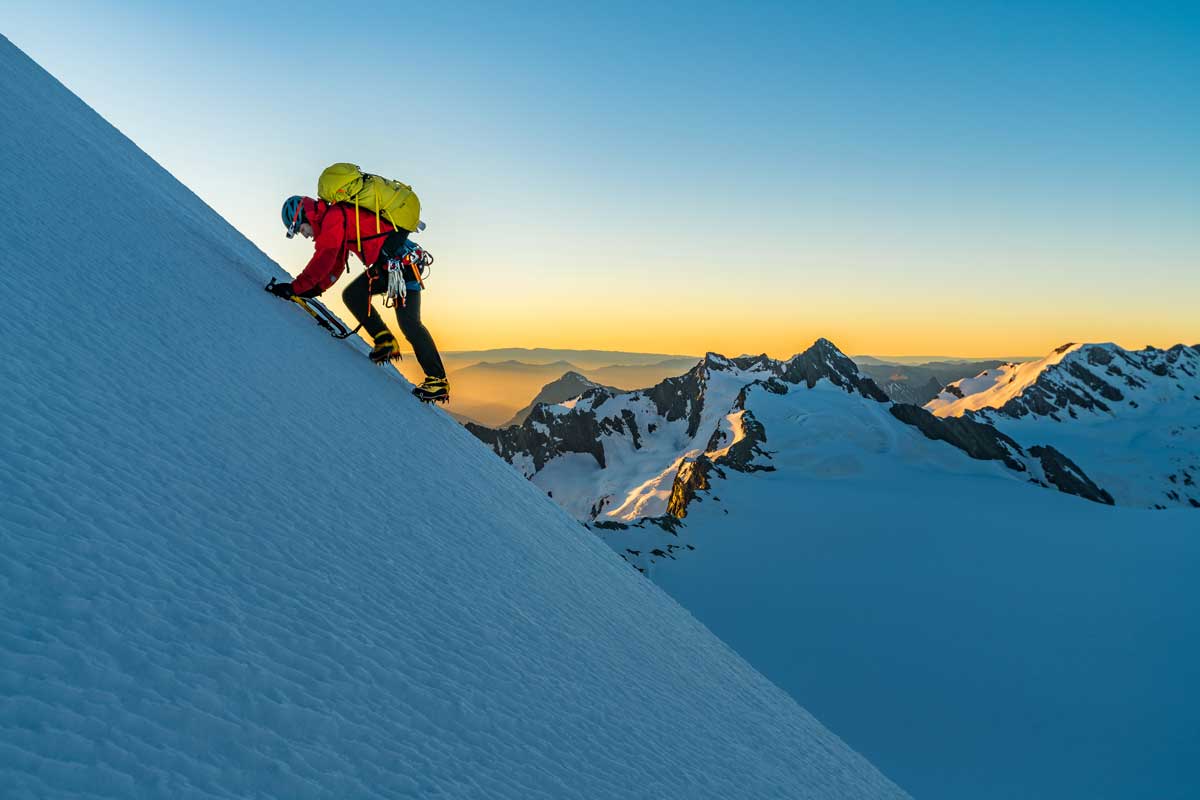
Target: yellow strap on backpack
column 357, row 226
column 391, row 200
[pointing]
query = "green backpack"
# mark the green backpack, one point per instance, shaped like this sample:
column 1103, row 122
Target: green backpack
column 390, row 200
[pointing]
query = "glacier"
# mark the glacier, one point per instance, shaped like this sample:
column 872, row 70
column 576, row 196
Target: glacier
column 236, row 559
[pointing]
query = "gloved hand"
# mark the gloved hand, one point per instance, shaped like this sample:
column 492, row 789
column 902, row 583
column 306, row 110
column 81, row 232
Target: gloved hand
column 282, row 290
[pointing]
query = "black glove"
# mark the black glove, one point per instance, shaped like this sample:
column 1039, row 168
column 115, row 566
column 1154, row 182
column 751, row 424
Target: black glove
column 281, row 290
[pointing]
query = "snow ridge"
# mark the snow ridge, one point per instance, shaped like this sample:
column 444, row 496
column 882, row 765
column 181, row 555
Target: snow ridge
column 1130, row 419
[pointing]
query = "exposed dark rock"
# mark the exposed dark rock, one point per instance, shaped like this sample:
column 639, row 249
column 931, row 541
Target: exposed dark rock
column 824, row 360
column 1093, row 381
column 977, row 439
column 631, row 421
column 668, row 523
column 982, row 441
column 742, row 453
column 1071, row 386
column 677, row 398
column 749, row 363
column 598, row 506
column 1067, row 476
column 692, row 478
column 1046, row 399
column 567, row 433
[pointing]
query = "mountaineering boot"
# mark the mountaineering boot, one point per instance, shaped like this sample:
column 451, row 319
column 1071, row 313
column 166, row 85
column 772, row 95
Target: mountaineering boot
column 433, row 390
column 386, row 349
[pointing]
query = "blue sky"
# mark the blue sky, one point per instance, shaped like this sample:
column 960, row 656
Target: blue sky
column 938, row 177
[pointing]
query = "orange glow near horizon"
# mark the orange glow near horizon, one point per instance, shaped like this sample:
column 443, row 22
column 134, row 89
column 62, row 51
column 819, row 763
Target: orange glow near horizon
column 687, row 328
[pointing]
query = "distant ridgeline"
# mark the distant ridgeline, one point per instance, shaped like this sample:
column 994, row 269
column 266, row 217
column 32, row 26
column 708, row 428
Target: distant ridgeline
column 1131, row 419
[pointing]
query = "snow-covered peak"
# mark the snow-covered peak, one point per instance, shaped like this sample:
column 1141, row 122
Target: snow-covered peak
column 1079, row 379
column 995, row 387
column 1129, row 418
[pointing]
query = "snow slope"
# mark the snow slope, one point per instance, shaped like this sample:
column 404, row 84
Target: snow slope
column 263, row 570
column 1129, row 419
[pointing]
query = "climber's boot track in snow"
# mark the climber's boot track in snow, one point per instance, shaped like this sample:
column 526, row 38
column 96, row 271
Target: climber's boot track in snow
column 433, row 390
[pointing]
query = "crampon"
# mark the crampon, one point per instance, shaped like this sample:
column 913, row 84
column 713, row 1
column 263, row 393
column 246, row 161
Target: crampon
column 386, row 350
column 433, row 390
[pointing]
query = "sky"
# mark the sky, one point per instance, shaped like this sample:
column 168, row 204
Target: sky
column 972, row 179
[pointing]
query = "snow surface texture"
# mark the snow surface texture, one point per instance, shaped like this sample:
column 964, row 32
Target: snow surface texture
column 1129, row 419
column 208, row 593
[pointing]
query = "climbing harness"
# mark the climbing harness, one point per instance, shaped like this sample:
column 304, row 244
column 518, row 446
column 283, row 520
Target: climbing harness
column 418, row 260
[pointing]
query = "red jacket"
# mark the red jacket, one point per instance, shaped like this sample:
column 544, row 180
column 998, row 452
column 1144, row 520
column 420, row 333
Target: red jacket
column 335, row 237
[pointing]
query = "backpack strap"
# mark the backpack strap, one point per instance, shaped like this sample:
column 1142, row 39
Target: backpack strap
column 357, row 225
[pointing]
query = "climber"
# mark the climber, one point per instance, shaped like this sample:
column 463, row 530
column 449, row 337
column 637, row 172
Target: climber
column 335, row 235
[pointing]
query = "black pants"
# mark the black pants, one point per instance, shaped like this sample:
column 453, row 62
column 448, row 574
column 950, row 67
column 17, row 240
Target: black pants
column 357, row 297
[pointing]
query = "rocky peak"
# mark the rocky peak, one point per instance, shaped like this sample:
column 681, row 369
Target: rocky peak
column 716, row 361
column 824, row 360
column 676, row 398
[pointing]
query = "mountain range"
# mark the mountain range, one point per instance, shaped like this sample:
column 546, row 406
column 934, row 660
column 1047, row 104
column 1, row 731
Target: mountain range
column 624, row 456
